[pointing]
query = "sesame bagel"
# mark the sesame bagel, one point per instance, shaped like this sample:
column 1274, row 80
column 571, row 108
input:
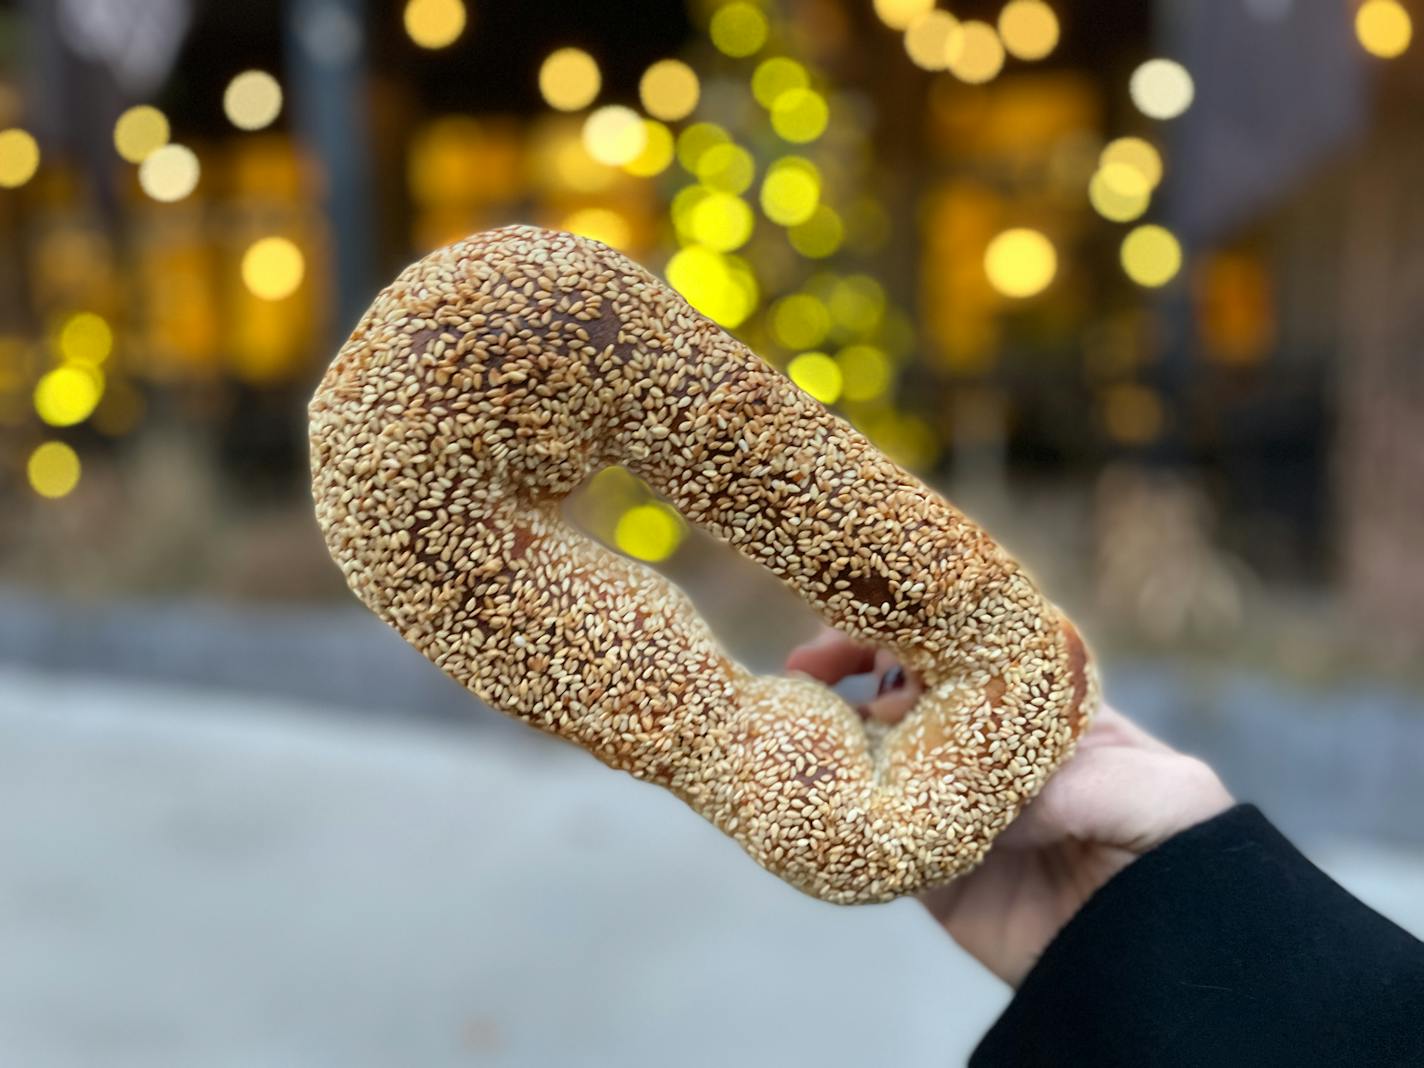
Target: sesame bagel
column 494, row 376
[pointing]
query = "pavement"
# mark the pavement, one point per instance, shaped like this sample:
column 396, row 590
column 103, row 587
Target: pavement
column 203, row 878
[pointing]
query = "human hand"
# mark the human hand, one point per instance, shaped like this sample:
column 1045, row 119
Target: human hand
column 1121, row 794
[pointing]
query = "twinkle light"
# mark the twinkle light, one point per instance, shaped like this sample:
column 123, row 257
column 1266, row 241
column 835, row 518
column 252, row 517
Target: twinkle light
column 775, row 76
column 727, row 166
column 722, row 287
column 979, row 54
column 898, row 14
column 86, row 338
column 601, row 224
column 252, row 100
column 68, row 394
column 819, row 236
column 53, row 470
column 139, row 131
column 614, row 135
column 19, row 157
column 1020, row 262
column 273, row 268
column 818, row 375
column 790, row 191
column 1383, row 28
column 800, row 115
column 932, row 39
column 738, row 29
column 1136, row 153
column 1119, row 192
column 865, row 372
column 696, row 140
column 799, row 321
column 435, row 24
column 1161, row 88
column 1151, row 256
column 1029, row 29
column 569, row 79
column 721, row 221
column 169, row 173
column 657, row 151
column 650, row 532
column 669, row 90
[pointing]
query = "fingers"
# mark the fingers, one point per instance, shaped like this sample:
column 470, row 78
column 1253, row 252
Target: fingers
column 1111, row 727
column 830, row 657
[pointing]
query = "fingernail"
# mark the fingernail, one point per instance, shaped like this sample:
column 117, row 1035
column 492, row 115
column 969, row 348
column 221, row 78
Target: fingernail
column 891, row 680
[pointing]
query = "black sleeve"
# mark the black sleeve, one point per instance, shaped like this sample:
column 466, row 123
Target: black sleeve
column 1223, row 946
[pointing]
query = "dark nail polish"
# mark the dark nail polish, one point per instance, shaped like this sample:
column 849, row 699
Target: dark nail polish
column 891, row 680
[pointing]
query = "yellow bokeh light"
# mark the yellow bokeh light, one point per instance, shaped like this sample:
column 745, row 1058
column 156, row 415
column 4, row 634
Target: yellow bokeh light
column 435, row 23
column 69, row 394
column 696, row 140
column 139, row 131
column 650, row 532
column 932, row 39
column 721, row 221
column 818, row 375
column 252, row 100
column 169, row 173
column 569, row 79
column 273, row 268
column 601, row 224
column 727, row 167
column 1136, row 153
column 800, row 115
column 86, row 338
column 1383, row 28
column 1020, row 262
column 19, row 158
column 857, row 303
column 721, row 287
column 1029, row 29
column 865, row 372
column 790, row 191
column 898, row 14
column 1151, row 256
column 1161, row 88
column 738, row 29
column 669, row 90
column 657, row 151
column 53, row 469
column 1119, row 192
column 819, row 236
column 614, row 135
column 978, row 55
column 775, row 76
column 799, row 321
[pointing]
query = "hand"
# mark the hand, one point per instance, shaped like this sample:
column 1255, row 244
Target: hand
column 1121, row 794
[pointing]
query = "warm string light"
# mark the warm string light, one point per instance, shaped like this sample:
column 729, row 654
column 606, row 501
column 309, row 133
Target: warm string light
column 252, row 100
column 139, row 131
column 19, row 157
column 435, row 24
column 569, row 79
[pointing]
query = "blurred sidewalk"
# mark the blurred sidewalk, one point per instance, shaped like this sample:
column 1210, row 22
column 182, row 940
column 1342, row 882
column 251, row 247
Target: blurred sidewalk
column 193, row 878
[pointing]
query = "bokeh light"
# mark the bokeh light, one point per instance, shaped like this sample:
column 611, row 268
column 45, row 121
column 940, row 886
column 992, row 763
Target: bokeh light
column 1142, row 156
column 53, row 469
column 722, row 287
column 69, row 394
column 1029, row 29
column 1383, row 28
column 601, row 224
column 252, row 100
column 139, row 131
column 569, row 79
column 820, row 235
column 791, row 190
column 738, row 29
column 775, row 76
column 865, row 372
column 817, row 374
column 669, row 90
column 978, row 54
column 898, row 14
column 932, row 39
column 657, row 151
column 86, row 337
column 799, row 321
column 1151, row 255
column 169, row 173
column 857, row 303
column 695, row 140
column 614, row 135
column 721, row 221
column 727, row 167
column 19, row 158
column 1119, row 192
column 273, row 268
column 1020, row 262
column 800, row 115
column 435, row 23
column 650, row 532
column 1161, row 88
